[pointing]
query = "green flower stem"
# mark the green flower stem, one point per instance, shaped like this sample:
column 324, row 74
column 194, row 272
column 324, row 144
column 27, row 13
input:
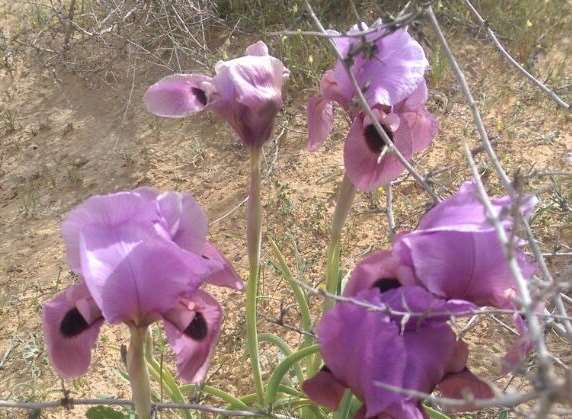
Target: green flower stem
column 285, row 349
column 343, row 206
column 253, row 237
column 284, row 367
column 137, row 369
column 215, row 392
column 344, row 408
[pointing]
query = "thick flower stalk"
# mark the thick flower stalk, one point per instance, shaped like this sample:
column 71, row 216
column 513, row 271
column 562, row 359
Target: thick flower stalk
column 142, row 256
column 247, row 93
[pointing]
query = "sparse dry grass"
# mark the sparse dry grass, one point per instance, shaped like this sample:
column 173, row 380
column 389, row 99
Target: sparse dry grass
column 48, row 167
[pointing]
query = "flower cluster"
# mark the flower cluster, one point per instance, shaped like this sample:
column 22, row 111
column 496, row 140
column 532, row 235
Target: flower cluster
column 389, row 69
column 142, row 256
column 452, row 263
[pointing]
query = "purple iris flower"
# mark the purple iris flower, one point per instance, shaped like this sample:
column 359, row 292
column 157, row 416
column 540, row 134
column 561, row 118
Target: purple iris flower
column 142, row 257
column 390, row 73
column 245, row 91
column 361, row 347
column 455, row 252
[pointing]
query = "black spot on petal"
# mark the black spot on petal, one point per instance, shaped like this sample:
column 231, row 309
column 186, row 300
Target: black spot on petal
column 200, row 95
column 373, row 140
column 325, row 369
column 197, row 328
column 386, row 284
column 73, row 324
column 205, row 257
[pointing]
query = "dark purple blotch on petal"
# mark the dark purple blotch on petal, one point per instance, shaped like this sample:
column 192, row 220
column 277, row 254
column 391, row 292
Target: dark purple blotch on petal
column 73, row 324
column 386, row 284
column 200, row 95
column 197, row 328
column 374, row 141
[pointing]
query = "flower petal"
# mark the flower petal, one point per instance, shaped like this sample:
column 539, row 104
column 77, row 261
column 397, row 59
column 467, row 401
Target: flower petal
column 184, row 219
column 249, row 95
column 71, row 323
column 225, row 277
column 460, row 265
column 324, row 389
column 361, row 347
column 178, row 95
column 462, row 385
column 132, row 274
column 192, row 330
column 258, row 48
column 320, row 121
column 361, row 162
column 107, row 211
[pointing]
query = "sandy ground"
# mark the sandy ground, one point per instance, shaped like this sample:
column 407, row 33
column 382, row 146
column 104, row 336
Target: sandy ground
column 74, row 138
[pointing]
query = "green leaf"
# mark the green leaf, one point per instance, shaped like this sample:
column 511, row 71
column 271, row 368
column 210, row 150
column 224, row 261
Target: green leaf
column 104, row 412
column 503, row 414
column 435, row 414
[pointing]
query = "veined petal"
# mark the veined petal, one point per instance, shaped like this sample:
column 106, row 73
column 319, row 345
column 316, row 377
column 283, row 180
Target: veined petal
column 71, row 323
column 468, row 266
column 320, row 121
column 178, row 95
column 192, row 329
column 107, row 211
column 132, row 275
column 361, row 347
column 258, row 48
column 225, row 277
column 184, row 219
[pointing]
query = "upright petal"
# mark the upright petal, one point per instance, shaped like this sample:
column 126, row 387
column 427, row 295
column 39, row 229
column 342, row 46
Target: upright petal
column 258, row 48
column 249, row 95
column 71, row 323
column 468, row 266
column 225, row 277
column 178, row 95
column 192, row 329
column 320, row 121
column 107, row 211
column 184, row 219
column 133, row 276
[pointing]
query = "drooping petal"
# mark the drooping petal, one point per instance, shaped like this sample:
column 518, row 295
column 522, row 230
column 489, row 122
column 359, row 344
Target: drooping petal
column 71, row 323
column 423, row 128
column 107, row 211
column 463, row 385
column 192, row 329
column 320, row 121
column 133, row 275
column 184, row 219
column 225, row 277
column 460, row 265
column 361, row 347
column 381, row 270
column 361, row 153
column 178, row 95
column 249, row 95
column 324, row 389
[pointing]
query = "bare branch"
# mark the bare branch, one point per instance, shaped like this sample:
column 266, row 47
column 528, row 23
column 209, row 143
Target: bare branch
column 511, row 60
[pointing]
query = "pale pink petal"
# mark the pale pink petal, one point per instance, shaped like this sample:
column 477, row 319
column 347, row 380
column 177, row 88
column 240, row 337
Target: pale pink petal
column 192, row 329
column 258, row 48
column 178, row 95
column 225, row 277
column 184, row 219
column 320, row 121
column 71, row 323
